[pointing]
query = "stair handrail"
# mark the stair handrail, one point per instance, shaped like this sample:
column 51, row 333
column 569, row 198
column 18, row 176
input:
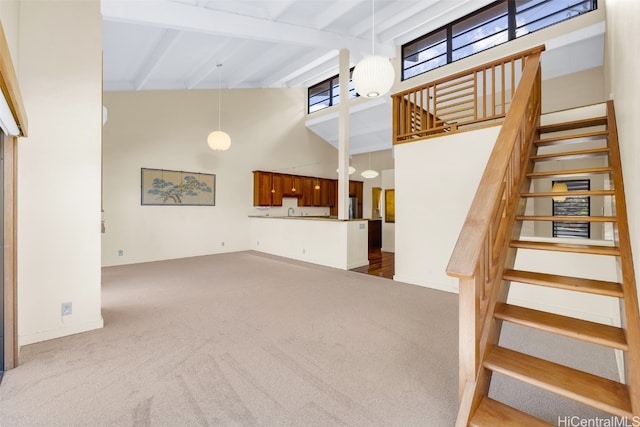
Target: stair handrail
column 630, row 318
column 480, row 253
column 458, row 101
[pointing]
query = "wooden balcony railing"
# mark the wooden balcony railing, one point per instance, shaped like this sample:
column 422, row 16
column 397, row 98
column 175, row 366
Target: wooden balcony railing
column 461, row 101
column 482, row 249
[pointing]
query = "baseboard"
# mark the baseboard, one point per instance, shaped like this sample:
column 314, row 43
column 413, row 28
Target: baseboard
column 357, row 264
column 421, row 283
column 64, row 330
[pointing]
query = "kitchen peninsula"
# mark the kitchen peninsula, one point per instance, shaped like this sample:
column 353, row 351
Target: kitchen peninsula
column 320, row 240
column 297, row 219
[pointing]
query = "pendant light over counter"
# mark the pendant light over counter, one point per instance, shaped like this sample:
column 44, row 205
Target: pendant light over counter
column 219, row 140
column 369, row 173
column 374, row 75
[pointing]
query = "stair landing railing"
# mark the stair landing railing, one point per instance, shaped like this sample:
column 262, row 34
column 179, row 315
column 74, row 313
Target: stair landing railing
column 482, row 249
column 462, row 101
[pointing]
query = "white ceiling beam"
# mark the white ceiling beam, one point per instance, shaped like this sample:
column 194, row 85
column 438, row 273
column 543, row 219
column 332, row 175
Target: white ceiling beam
column 331, row 14
column 277, row 8
column 441, row 13
column 208, row 67
column 183, row 17
column 246, row 72
column 166, row 42
column 316, row 74
column 299, row 66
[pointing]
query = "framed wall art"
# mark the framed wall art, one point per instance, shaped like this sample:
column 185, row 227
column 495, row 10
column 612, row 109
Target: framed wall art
column 162, row 187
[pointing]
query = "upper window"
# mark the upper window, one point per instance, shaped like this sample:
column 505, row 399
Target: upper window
column 327, row 93
column 572, row 206
column 485, row 28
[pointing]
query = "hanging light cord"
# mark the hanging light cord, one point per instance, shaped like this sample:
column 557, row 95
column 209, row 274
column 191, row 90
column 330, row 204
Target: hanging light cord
column 373, row 28
column 219, row 99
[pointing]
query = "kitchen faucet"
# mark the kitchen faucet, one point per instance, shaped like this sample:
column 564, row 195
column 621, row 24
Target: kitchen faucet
column 291, row 212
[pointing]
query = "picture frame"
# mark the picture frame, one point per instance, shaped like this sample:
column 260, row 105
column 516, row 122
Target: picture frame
column 162, row 187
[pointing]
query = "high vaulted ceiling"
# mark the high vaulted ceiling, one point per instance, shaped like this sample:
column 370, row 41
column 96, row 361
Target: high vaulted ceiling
column 176, row 44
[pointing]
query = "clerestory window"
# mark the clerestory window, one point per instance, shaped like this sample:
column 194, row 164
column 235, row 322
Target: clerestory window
column 485, row 28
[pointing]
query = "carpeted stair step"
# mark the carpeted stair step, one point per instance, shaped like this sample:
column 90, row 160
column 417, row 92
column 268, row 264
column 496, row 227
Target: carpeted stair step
column 598, row 287
column 569, row 173
column 595, row 333
column 600, row 393
column 576, row 124
column 571, row 155
column 491, row 413
column 566, row 247
column 567, row 218
column 570, row 193
column 571, row 139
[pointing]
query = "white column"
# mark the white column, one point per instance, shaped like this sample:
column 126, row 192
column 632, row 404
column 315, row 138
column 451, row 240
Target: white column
column 343, row 137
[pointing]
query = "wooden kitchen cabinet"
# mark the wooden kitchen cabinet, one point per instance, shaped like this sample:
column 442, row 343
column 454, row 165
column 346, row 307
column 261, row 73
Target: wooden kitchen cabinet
column 269, row 188
column 262, row 188
column 277, row 190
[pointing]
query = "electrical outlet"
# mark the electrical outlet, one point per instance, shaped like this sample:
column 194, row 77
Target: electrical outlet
column 258, row 243
column 120, row 252
column 304, row 251
column 361, row 226
column 222, row 243
column 66, row 308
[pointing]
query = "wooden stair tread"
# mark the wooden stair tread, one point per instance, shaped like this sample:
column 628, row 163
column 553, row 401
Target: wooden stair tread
column 569, row 139
column 569, row 155
column 598, row 287
column 560, row 173
column 586, row 388
column 567, row 218
column 491, row 413
column 566, row 247
column 595, row 333
column 571, row 193
column 576, row 124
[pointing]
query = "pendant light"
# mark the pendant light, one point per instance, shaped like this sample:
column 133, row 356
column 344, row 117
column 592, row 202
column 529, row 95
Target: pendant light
column 559, row 187
column 374, row 75
column 317, row 187
column 351, row 170
column 219, row 140
column 369, row 173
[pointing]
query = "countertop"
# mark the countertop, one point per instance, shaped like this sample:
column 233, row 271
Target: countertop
column 309, row 217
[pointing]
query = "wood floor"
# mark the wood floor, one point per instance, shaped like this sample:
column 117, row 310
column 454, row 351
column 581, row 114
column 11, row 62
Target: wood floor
column 381, row 264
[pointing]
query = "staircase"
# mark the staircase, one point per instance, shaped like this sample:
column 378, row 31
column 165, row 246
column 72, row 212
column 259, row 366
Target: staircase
column 613, row 397
column 491, row 250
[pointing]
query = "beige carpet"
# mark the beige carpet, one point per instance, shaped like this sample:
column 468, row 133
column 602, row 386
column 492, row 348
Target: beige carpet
column 246, row 339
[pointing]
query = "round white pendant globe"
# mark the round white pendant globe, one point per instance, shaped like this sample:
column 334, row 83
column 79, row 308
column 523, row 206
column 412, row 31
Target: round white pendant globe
column 559, row 187
column 219, row 140
column 351, row 170
column 369, row 173
column 373, row 76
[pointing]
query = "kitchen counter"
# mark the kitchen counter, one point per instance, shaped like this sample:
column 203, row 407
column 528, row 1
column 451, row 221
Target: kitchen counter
column 320, row 240
column 308, row 217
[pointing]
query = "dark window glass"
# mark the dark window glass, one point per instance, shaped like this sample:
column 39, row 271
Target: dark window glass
column 480, row 31
column 485, row 28
column 327, row 93
column 425, row 54
column 573, row 206
column 534, row 15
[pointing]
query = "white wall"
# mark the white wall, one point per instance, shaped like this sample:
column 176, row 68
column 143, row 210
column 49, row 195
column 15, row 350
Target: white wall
column 435, row 181
column 168, row 130
column 10, row 18
column 60, row 72
column 622, row 71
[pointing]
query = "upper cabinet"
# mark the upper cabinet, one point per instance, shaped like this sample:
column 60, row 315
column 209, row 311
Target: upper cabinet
column 262, row 188
column 269, row 188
